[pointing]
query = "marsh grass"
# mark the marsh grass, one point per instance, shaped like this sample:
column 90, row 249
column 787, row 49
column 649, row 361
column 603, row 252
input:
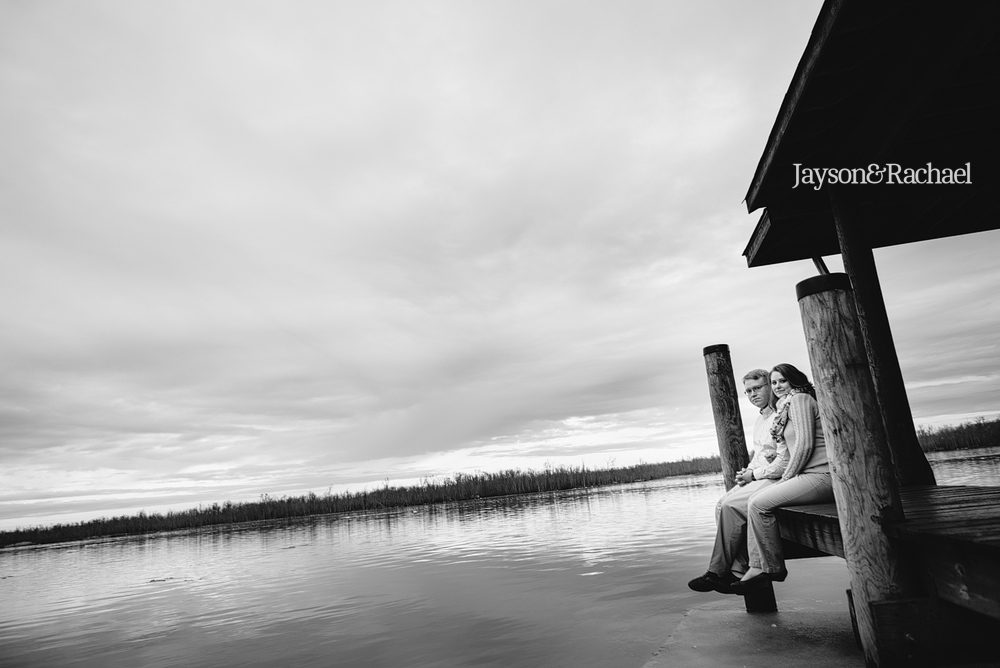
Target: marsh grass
column 458, row 488
column 981, row 433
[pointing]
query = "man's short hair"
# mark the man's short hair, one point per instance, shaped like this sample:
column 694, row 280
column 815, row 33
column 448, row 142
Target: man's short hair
column 757, row 374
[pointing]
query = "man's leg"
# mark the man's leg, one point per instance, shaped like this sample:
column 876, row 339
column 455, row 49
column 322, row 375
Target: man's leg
column 730, row 550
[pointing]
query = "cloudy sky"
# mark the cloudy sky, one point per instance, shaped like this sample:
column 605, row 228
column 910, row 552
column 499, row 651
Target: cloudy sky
column 278, row 247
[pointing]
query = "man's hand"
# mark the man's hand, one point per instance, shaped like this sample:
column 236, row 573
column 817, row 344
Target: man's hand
column 743, row 476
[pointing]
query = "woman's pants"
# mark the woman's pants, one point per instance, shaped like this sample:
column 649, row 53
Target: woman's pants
column 763, row 538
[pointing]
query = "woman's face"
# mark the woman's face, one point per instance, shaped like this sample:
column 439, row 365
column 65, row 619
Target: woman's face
column 779, row 385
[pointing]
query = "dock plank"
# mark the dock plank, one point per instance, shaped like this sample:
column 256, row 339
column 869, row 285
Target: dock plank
column 954, row 530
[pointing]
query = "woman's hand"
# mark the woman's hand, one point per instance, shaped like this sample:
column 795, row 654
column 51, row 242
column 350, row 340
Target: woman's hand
column 743, row 476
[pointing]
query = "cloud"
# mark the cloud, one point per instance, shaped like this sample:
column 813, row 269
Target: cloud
column 252, row 248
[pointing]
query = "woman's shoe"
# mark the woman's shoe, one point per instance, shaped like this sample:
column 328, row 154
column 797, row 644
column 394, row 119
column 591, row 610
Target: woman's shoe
column 744, row 586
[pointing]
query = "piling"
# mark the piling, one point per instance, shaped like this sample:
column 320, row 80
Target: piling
column 864, row 479
column 726, row 410
column 732, row 443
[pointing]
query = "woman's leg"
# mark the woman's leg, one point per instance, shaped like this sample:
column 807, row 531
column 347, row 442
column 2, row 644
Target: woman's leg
column 763, row 538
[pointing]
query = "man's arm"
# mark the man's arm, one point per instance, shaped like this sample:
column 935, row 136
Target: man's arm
column 777, row 467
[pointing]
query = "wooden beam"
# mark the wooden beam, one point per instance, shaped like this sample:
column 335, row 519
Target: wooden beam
column 931, row 632
column 816, row 526
column 963, row 574
column 760, row 233
column 910, row 462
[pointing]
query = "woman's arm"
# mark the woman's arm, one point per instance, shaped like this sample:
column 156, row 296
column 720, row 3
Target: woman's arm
column 803, row 413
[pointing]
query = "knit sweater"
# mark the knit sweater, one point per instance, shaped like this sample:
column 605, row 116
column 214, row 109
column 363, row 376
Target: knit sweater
column 804, row 435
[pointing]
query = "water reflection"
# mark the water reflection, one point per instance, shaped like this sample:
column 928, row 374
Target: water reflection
column 967, row 467
column 577, row 578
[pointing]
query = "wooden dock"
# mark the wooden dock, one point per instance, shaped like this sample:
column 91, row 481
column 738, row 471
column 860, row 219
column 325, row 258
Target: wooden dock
column 955, row 530
column 880, row 83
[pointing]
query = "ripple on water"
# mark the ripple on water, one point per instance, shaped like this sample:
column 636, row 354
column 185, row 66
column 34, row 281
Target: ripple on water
column 577, row 578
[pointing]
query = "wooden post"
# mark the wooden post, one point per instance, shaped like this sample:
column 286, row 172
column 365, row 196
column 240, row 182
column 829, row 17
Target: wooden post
column 912, row 467
column 732, row 443
column 726, row 410
column 864, row 482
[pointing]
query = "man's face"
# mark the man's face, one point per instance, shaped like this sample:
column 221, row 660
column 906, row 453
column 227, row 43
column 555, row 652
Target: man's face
column 758, row 391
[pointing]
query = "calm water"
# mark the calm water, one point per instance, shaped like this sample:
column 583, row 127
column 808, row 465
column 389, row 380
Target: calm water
column 584, row 578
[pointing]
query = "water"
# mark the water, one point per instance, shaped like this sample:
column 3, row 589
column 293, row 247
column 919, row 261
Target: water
column 967, row 467
column 581, row 578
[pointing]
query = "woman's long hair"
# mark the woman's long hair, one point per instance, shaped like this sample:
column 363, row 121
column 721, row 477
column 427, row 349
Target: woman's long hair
column 795, row 378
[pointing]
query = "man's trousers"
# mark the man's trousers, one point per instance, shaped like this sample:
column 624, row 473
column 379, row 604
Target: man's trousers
column 730, row 550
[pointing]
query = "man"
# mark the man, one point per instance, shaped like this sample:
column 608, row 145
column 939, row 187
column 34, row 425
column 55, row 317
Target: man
column 767, row 463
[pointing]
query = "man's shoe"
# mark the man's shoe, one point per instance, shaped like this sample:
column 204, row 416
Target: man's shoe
column 712, row 582
column 726, row 586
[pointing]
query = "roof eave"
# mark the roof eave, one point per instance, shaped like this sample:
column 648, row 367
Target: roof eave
column 807, row 64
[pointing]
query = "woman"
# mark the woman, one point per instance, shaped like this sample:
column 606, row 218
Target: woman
column 806, row 478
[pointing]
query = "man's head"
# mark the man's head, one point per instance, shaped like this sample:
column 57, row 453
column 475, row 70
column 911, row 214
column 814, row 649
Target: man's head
column 757, row 385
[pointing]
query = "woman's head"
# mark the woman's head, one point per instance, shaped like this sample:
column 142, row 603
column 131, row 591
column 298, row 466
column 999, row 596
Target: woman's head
column 786, row 378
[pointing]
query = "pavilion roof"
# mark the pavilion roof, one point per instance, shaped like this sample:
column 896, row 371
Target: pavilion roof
column 888, row 82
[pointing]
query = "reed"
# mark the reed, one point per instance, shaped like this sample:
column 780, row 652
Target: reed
column 457, row 488
column 981, row 433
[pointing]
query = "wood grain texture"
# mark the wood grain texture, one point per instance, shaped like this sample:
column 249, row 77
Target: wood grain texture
column 911, row 465
column 864, row 480
column 812, row 526
column 953, row 533
column 725, row 399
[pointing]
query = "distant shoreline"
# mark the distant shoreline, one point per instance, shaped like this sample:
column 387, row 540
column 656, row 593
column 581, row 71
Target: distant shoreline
column 981, row 433
column 978, row 434
column 461, row 487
